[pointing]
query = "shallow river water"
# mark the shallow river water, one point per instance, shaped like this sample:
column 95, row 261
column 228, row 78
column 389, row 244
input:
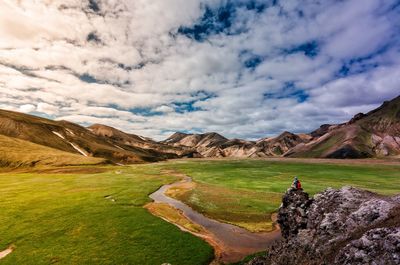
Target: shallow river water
column 235, row 242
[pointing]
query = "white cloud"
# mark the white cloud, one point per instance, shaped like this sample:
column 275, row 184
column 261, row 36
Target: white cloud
column 164, row 108
column 127, row 66
column 27, row 108
column 47, row 108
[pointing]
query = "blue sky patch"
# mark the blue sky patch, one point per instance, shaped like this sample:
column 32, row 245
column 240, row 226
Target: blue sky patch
column 203, row 95
column 88, row 78
column 93, row 37
column 289, row 91
column 258, row 6
column 310, row 49
column 146, row 112
column 183, row 107
column 93, row 5
column 361, row 64
column 253, row 62
column 218, row 20
column 212, row 22
column 250, row 60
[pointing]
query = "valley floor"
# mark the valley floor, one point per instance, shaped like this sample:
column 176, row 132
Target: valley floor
column 247, row 192
column 96, row 214
column 90, row 218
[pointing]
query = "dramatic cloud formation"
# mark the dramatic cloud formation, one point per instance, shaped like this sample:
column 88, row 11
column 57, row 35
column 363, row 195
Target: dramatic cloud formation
column 242, row 68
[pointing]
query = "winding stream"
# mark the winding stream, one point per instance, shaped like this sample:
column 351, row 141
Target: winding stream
column 234, row 242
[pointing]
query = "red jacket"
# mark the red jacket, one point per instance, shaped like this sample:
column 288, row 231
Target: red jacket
column 298, row 185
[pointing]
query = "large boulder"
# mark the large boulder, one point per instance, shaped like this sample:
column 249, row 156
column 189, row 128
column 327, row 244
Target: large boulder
column 292, row 215
column 345, row 226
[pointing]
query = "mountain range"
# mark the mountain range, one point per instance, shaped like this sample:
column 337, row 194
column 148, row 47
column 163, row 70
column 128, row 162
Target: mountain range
column 374, row 134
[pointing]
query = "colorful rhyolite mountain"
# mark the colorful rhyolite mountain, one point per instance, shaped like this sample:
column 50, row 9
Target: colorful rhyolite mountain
column 375, row 134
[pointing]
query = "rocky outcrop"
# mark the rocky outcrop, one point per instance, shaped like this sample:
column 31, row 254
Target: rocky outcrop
column 323, row 129
column 378, row 246
column 292, row 215
column 357, row 117
column 346, row 226
column 384, row 145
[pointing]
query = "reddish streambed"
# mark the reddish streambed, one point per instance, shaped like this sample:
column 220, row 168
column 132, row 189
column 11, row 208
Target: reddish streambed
column 234, row 243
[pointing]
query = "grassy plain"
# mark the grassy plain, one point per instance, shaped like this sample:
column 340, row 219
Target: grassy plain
column 247, row 192
column 95, row 214
column 86, row 218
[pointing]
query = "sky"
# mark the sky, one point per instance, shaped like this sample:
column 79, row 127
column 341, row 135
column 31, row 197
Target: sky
column 245, row 69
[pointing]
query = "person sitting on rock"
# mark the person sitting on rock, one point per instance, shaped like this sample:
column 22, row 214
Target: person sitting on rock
column 296, row 184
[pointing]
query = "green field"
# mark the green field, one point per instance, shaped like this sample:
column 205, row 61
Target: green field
column 247, row 192
column 66, row 219
column 85, row 217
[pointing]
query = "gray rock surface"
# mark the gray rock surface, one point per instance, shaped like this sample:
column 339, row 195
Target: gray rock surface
column 345, row 226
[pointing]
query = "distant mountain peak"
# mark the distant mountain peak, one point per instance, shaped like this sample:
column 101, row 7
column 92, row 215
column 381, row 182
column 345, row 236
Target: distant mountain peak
column 286, row 134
